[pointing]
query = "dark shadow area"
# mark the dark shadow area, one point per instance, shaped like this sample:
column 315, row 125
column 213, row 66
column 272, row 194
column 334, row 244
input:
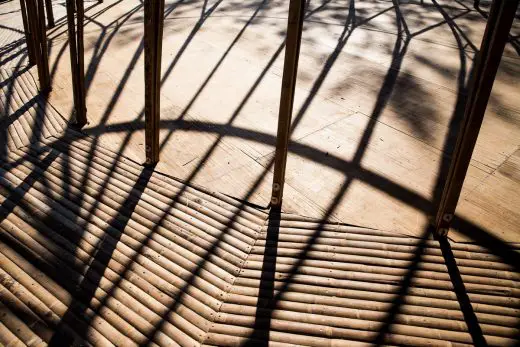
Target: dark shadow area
column 462, row 295
column 513, row 40
column 85, row 193
column 86, row 287
column 266, row 294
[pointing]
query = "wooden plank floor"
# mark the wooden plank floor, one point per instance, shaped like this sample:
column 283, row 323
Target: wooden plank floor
column 379, row 96
column 97, row 250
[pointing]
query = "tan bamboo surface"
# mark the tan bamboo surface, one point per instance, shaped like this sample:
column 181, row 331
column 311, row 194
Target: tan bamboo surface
column 96, row 250
column 156, row 273
column 26, row 116
column 327, row 284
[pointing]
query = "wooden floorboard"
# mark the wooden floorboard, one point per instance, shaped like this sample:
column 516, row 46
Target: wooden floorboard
column 389, row 91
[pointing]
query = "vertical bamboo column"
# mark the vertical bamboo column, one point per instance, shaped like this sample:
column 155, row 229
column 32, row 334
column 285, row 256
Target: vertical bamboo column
column 499, row 23
column 43, row 46
column 77, row 59
column 50, row 14
column 29, row 40
column 36, row 21
column 153, row 31
column 290, row 69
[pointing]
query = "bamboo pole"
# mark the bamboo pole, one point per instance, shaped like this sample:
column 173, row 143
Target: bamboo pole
column 50, row 14
column 36, row 21
column 77, row 59
column 45, row 82
column 292, row 52
column 29, row 39
column 80, row 16
column 499, row 23
column 153, row 30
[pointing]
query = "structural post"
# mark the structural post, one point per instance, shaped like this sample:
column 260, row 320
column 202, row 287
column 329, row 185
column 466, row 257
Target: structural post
column 76, row 59
column 499, row 23
column 29, row 40
column 153, row 31
column 36, row 21
column 43, row 47
column 50, row 14
column 290, row 69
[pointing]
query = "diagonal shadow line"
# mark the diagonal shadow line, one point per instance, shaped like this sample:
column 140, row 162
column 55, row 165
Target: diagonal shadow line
column 117, row 95
column 12, row 45
column 453, row 26
column 62, row 22
column 503, row 250
column 5, row 27
column 189, row 283
column 511, row 39
column 441, row 23
column 112, row 103
column 9, row 12
column 213, row 71
column 20, row 54
column 266, row 298
column 239, row 108
column 86, row 292
column 470, row 317
column 458, row 110
column 261, row 328
column 211, row 250
column 10, row 87
column 204, row 15
column 6, row 102
column 100, row 50
column 16, row 195
column 16, row 71
column 349, row 27
column 401, row 294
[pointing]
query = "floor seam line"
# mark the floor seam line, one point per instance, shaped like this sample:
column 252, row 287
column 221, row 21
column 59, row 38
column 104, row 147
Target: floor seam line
column 231, row 285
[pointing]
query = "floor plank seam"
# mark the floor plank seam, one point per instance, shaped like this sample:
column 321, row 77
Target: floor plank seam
column 225, row 297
